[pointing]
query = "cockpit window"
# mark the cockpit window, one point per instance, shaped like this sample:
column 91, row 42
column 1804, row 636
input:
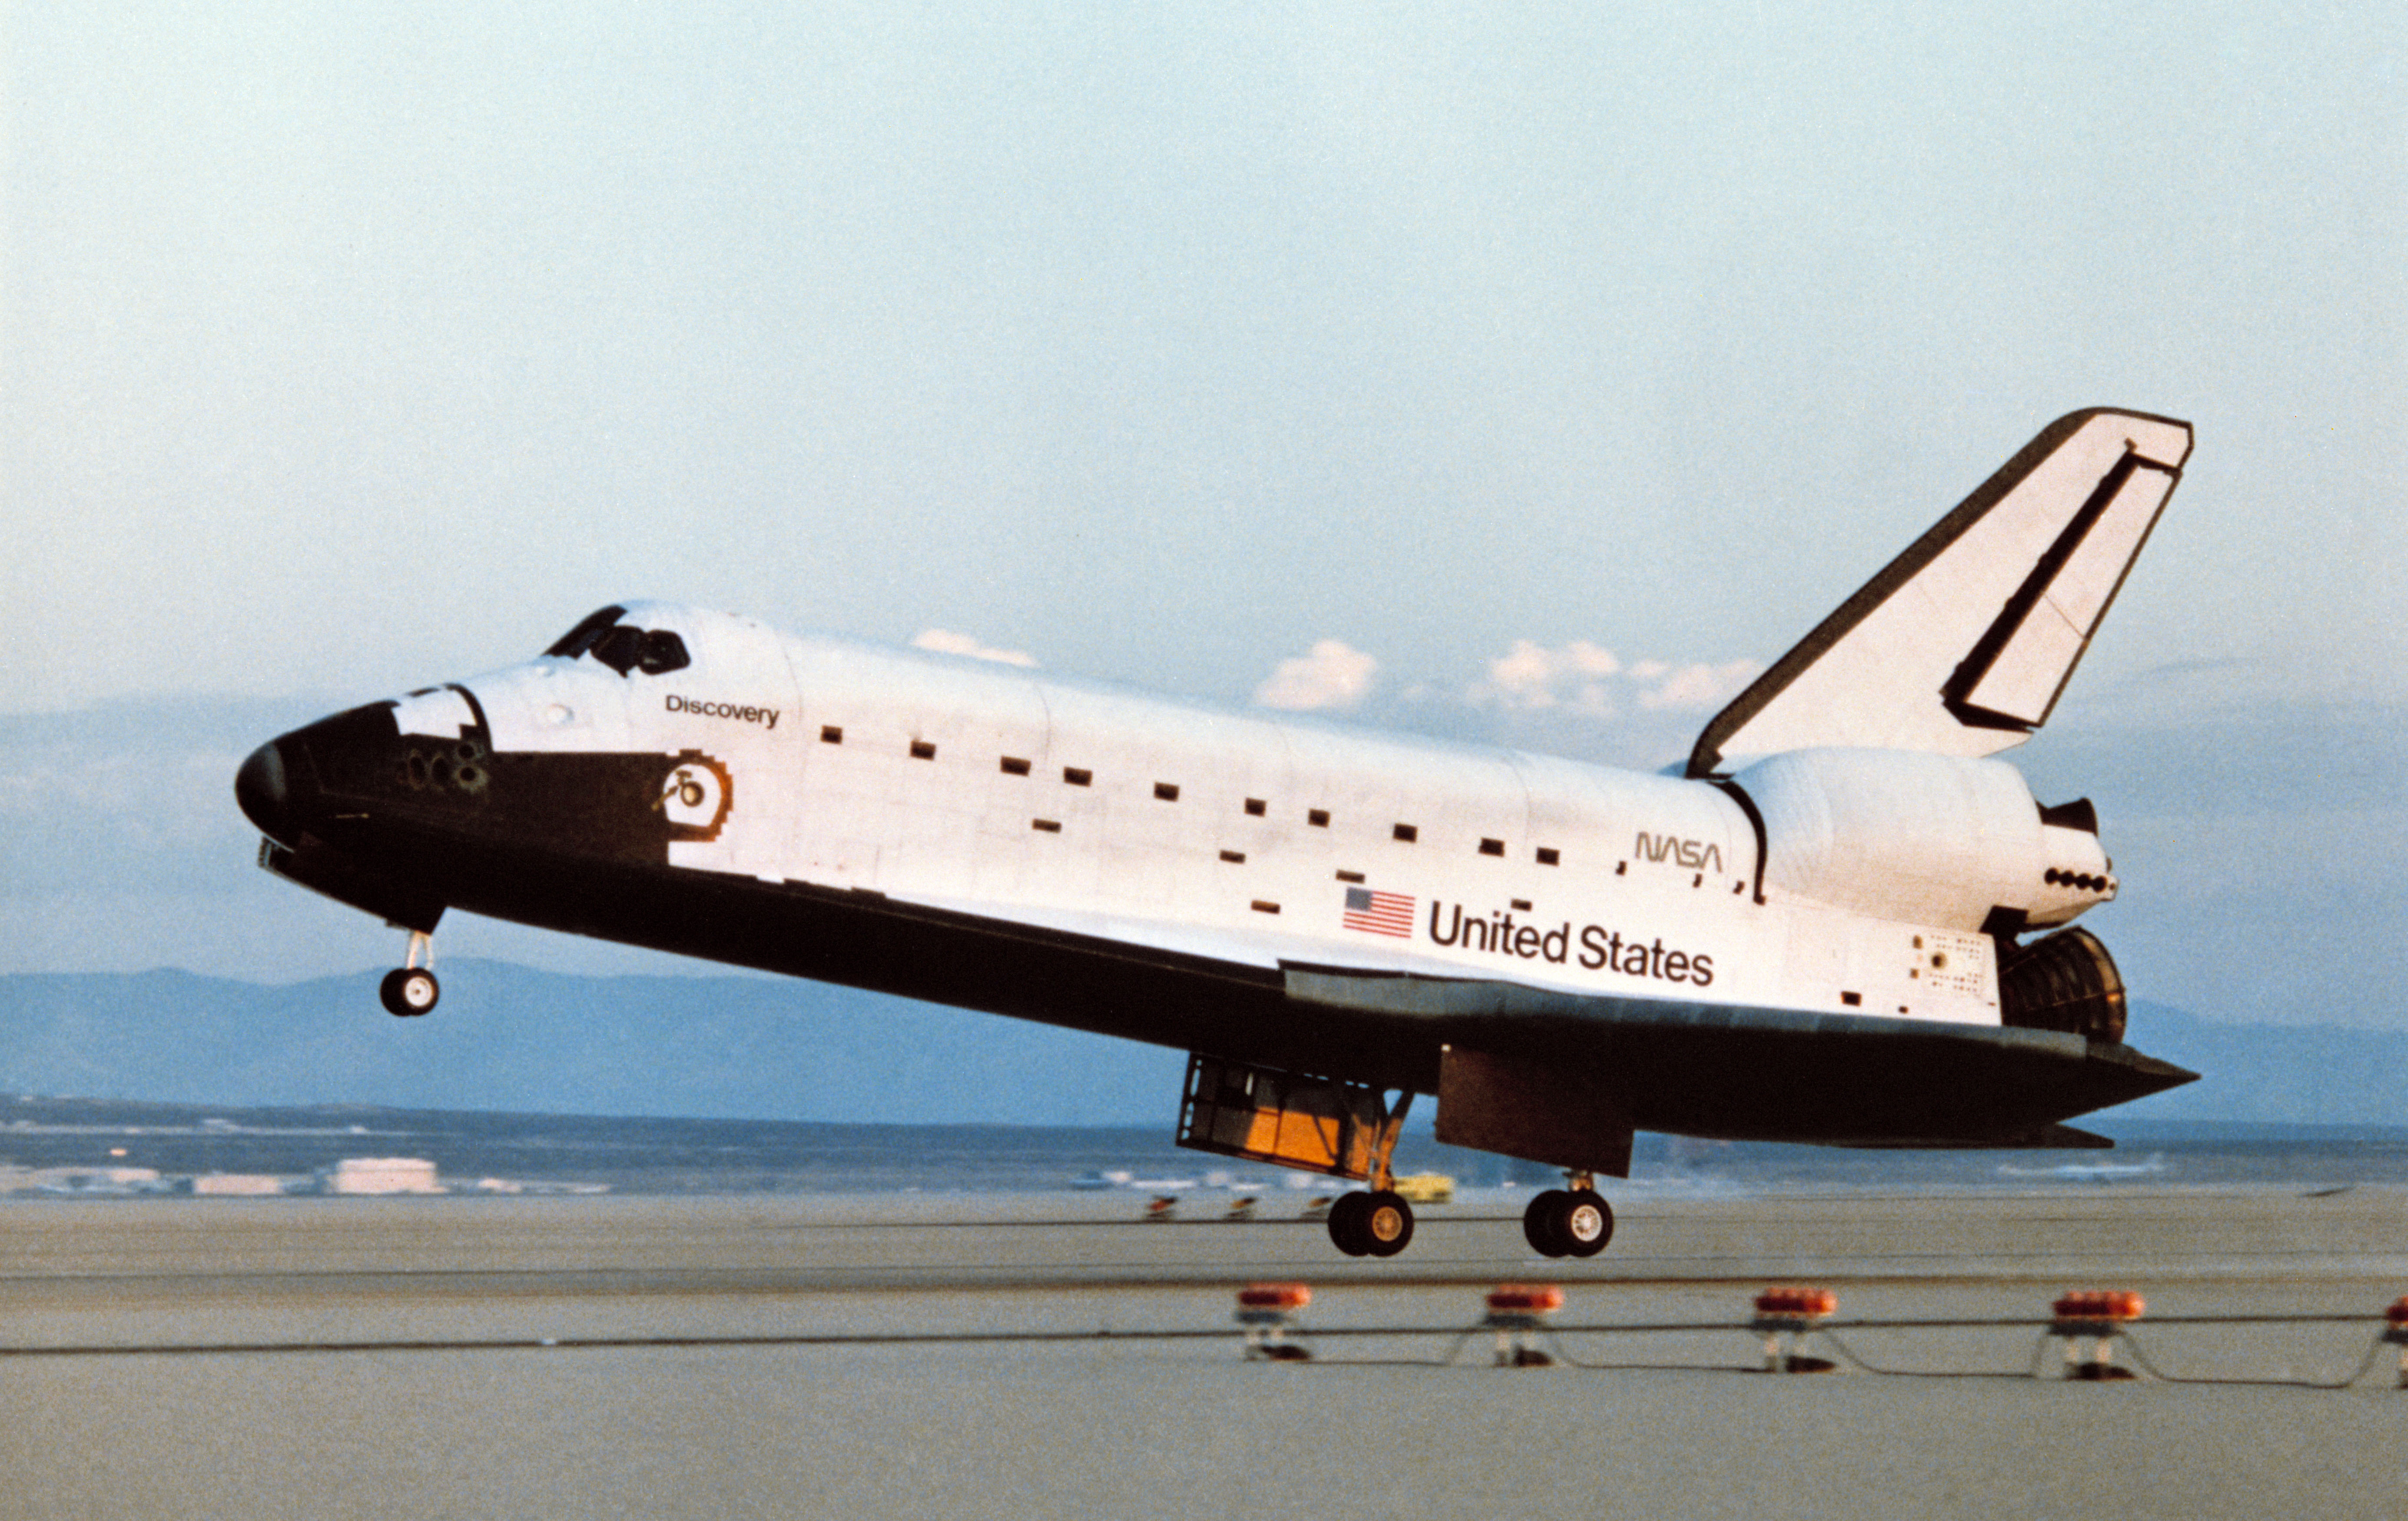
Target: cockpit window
column 581, row 639
column 663, row 651
column 623, row 647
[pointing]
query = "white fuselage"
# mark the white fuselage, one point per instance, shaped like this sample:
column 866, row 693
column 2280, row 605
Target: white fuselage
column 987, row 790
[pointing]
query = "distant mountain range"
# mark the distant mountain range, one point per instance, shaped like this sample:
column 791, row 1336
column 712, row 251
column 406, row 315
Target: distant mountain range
column 507, row 1038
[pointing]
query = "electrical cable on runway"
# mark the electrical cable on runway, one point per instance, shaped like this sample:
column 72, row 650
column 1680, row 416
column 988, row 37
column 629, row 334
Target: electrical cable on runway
column 1459, row 1336
column 2374, row 1354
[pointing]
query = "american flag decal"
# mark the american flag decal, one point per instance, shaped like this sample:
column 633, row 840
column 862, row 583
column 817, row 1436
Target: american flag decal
column 1379, row 913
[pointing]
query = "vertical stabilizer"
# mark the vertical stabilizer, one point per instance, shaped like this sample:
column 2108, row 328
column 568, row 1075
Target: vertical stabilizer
column 1962, row 644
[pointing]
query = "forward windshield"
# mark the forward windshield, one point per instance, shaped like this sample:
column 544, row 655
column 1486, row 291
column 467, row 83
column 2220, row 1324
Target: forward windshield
column 623, row 647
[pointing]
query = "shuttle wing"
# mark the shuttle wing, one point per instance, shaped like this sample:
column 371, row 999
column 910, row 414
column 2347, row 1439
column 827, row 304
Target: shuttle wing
column 1961, row 645
column 1572, row 1060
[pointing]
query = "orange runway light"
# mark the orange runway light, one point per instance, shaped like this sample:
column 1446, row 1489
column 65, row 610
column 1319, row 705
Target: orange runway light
column 1785, row 1314
column 1269, row 1312
column 2395, row 1331
column 2097, row 1316
column 1517, row 1312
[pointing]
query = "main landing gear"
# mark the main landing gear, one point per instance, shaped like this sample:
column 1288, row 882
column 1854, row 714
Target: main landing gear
column 1574, row 1222
column 1379, row 1224
column 410, row 989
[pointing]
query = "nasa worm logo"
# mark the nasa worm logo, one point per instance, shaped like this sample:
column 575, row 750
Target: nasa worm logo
column 695, row 797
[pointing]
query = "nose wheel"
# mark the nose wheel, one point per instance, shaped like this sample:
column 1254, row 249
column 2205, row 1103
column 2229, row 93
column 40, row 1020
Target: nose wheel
column 410, row 989
column 1574, row 1222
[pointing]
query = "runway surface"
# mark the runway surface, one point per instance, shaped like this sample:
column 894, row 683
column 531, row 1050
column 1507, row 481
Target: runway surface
column 984, row 1355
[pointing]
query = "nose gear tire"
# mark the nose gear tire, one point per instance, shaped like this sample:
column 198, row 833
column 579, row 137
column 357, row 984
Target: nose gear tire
column 409, row 991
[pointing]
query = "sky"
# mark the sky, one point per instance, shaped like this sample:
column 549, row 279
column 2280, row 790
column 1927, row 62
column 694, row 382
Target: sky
column 1535, row 377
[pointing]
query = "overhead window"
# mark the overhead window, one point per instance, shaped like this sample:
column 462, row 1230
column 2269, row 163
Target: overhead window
column 831, row 735
column 1548, row 855
column 1049, row 826
column 1317, row 817
column 1014, row 766
column 1492, row 846
column 1257, row 807
column 1078, row 777
column 1167, row 791
column 923, row 749
column 1406, row 832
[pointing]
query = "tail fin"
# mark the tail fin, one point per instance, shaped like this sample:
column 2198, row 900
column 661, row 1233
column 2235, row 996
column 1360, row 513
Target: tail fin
column 1962, row 644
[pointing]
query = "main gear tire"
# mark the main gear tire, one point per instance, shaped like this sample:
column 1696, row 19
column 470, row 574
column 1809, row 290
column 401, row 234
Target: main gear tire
column 1541, row 1224
column 1585, row 1222
column 1348, row 1230
column 1387, row 1223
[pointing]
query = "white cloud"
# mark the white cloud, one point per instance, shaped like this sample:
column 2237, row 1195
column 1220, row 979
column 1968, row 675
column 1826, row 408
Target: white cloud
column 1697, row 685
column 944, row 641
column 1334, row 675
column 1531, row 676
column 1590, row 682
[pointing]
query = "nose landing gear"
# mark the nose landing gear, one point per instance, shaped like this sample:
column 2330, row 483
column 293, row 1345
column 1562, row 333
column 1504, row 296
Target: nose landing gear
column 1574, row 1222
column 410, row 989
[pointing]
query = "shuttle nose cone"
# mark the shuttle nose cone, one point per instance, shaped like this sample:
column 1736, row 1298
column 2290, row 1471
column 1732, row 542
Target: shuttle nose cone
column 259, row 787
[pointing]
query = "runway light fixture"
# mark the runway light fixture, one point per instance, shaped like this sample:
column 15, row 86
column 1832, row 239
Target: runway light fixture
column 1269, row 1312
column 2096, row 1316
column 2395, row 1331
column 1784, row 1316
column 1517, row 1312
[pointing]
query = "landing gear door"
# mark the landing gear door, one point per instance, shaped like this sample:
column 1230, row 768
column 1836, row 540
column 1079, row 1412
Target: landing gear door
column 1315, row 1124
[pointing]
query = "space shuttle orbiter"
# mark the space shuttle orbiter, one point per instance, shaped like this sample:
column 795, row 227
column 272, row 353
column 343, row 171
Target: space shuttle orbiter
column 1846, row 923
